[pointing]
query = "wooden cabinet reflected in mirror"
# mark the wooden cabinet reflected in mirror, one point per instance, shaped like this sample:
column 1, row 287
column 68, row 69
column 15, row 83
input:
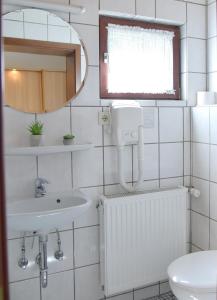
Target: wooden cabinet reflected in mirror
column 36, row 90
column 43, row 75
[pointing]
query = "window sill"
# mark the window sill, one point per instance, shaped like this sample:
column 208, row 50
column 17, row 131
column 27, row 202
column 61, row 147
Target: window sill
column 166, row 102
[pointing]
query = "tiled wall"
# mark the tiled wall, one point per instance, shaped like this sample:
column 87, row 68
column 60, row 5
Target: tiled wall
column 204, row 152
column 167, row 152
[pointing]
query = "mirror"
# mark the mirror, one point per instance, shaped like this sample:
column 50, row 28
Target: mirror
column 45, row 61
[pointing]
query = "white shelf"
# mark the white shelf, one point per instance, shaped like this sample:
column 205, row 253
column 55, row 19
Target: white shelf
column 43, row 150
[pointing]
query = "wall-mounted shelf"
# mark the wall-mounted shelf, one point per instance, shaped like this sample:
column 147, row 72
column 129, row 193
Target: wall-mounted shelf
column 44, row 150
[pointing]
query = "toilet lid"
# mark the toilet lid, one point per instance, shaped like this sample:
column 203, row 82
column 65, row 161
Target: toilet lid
column 195, row 271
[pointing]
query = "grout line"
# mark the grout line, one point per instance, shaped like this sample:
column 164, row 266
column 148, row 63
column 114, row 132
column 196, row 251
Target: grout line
column 74, row 275
column 183, row 126
column 209, row 172
column 159, row 158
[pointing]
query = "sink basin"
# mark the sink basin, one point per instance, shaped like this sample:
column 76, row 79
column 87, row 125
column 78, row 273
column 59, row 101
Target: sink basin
column 48, row 212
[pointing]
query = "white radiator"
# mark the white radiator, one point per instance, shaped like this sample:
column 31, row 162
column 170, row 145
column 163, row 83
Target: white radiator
column 141, row 234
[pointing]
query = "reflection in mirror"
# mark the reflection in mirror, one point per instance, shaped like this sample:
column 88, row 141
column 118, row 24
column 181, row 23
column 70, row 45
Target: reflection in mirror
column 45, row 61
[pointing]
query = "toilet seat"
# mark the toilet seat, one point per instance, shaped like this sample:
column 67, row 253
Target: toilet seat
column 194, row 275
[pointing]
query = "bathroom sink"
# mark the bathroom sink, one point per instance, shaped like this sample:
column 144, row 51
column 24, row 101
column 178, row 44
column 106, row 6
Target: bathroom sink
column 46, row 213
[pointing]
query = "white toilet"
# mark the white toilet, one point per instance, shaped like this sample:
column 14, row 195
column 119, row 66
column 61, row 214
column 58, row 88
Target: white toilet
column 194, row 276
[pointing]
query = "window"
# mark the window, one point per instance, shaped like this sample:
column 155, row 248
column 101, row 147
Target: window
column 138, row 60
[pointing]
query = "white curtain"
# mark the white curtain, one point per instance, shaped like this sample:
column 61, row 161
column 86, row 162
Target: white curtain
column 140, row 60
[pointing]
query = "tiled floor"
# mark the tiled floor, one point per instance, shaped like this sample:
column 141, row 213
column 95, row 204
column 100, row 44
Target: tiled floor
column 166, row 296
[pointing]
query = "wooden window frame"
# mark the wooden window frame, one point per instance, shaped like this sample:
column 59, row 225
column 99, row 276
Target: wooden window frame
column 103, row 35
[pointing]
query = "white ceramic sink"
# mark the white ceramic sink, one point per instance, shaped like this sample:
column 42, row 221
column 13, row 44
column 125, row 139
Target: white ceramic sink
column 46, row 213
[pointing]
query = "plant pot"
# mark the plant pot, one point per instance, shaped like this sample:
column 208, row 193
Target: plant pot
column 68, row 142
column 36, row 140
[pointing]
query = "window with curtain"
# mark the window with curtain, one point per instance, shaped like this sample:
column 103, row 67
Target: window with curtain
column 138, row 59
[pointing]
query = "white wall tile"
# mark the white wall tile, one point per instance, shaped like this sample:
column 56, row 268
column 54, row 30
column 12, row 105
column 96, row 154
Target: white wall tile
column 87, row 283
column 128, row 6
column 60, row 286
column 56, row 169
column 212, row 82
column 85, row 125
column 35, row 16
column 15, row 127
column 55, row 137
column 187, row 124
column 145, row 8
column 150, row 132
column 213, row 201
column 213, row 125
column 196, row 21
column 171, row 124
column 201, row 160
column 201, row 204
column 171, row 160
column 14, row 254
column 212, row 20
column 91, row 15
column 111, row 164
column 59, row 34
column 35, row 31
column 88, row 168
column 212, row 50
column 187, row 180
column 200, row 124
column 171, row 182
column 213, row 163
column 170, row 10
column 86, row 246
column 89, row 95
column 14, row 15
column 90, row 36
column 67, row 248
column 90, row 217
column 115, row 189
column 187, row 158
column 64, row 16
column 194, row 82
column 183, row 31
column 196, row 60
column 150, row 164
column 28, row 289
column 20, row 173
column 52, row 19
column 200, row 231
column 149, row 185
column 13, row 29
column 183, row 55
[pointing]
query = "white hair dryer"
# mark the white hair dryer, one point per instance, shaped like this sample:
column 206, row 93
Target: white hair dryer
column 127, row 129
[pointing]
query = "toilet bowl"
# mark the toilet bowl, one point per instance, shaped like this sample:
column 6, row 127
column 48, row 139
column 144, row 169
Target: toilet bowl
column 194, row 276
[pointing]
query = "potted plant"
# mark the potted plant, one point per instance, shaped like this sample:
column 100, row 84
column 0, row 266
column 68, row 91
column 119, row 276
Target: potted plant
column 68, row 139
column 36, row 130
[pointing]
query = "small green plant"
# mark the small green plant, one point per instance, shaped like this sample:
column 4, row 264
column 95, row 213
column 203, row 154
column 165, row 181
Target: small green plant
column 68, row 136
column 36, row 128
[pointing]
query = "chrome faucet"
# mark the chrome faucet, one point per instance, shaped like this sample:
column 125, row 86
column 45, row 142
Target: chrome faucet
column 40, row 189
